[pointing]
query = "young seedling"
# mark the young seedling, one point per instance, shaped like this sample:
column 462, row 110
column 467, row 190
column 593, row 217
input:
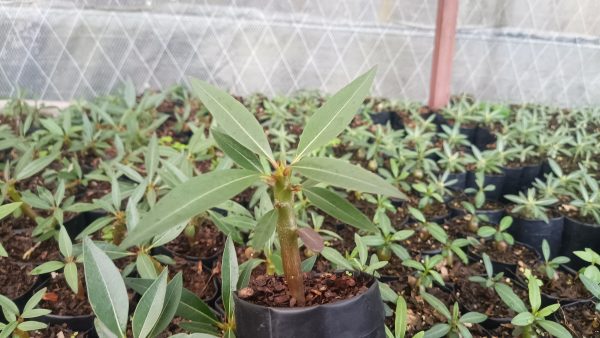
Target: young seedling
column 19, row 322
column 401, row 321
column 68, row 264
column 588, row 202
column 593, row 287
column 550, row 265
column 531, row 207
column 425, row 272
column 502, row 238
column 457, row 325
column 529, row 321
column 427, row 229
column 387, row 240
column 245, row 142
column 490, row 280
column 591, row 271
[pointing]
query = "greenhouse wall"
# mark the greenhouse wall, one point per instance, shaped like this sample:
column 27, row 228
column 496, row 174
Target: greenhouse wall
column 541, row 51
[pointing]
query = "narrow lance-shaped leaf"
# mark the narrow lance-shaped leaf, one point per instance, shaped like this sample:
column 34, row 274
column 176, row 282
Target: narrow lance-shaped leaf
column 148, row 310
column 338, row 207
column 311, row 239
column 342, row 174
column 265, row 227
column 172, row 298
column 8, row 209
column 151, row 160
column 238, row 153
column 333, row 117
column 401, row 318
column 229, row 275
column 196, row 195
column 35, row 166
column 105, row 289
column 233, row 117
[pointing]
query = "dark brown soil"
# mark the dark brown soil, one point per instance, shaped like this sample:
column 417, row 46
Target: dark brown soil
column 394, row 268
column 475, row 297
column 245, row 196
column 563, row 286
column 58, row 331
column 319, row 289
column 581, row 319
column 209, row 241
column 15, row 279
column 517, row 254
column 94, row 190
column 18, row 243
column 459, row 271
column 347, row 234
column 458, row 227
column 62, row 301
column 421, row 241
column 195, row 278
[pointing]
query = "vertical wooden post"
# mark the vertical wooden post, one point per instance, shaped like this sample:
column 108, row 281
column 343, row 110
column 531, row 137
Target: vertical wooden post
column 443, row 53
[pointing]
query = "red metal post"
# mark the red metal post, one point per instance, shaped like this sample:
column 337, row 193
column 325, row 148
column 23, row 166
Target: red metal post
column 441, row 68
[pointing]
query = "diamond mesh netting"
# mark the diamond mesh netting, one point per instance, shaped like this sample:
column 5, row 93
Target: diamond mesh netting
column 507, row 50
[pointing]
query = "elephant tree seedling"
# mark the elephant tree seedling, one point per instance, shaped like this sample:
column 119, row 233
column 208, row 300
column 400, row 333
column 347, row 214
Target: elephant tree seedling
column 241, row 137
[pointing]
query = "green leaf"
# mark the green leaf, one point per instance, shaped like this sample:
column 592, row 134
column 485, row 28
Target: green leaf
column 523, row 319
column 338, row 207
column 34, row 300
column 486, row 231
column 34, row 313
column 199, row 329
column 548, row 310
column 238, row 153
column 246, row 269
column 473, row 318
column 64, row 243
column 535, row 299
column 229, row 276
column 505, row 223
column 437, row 331
column 148, row 310
column 343, row 174
column 265, row 228
column 172, row 298
column 70, row 273
column 8, row 209
column 8, row 329
column 308, row 264
column 233, row 117
column 196, row 195
column 47, row 267
column 401, row 318
column 335, row 115
column 546, row 249
column 554, row 329
column 592, row 286
column 8, row 306
column 509, row 297
column 190, row 307
column 35, row 166
column 145, row 266
column 151, row 157
column 336, row 258
column 437, row 305
column 31, row 326
column 105, row 289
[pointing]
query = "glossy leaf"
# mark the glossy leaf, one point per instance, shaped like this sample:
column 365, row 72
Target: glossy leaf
column 233, row 117
column 338, row 207
column 345, row 175
column 335, row 115
column 105, row 289
column 196, row 195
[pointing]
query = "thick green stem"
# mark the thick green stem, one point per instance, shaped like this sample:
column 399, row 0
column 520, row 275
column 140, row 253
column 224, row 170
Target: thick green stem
column 25, row 208
column 288, row 237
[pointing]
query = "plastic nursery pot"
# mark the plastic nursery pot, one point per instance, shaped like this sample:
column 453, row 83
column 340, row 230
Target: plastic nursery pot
column 498, row 266
column 578, row 236
column 577, row 311
column 528, row 175
column 381, row 117
column 512, row 180
column 495, row 180
column 359, row 317
column 206, row 261
column 461, row 181
column 533, row 232
column 396, row 121
column 74, row 323
column 483, row 137
column 469, row 132
column 76, row 225
column 21, row 300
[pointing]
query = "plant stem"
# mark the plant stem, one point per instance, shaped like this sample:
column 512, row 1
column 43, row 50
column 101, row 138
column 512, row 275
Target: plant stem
column 288, row 238
column 25, row 208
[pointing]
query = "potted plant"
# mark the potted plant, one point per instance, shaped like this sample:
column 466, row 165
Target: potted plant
column 250, row 150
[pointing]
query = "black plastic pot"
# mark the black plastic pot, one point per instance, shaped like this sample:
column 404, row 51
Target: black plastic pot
column 76, row 225
column 396, row 121
column 512, row 180
column 533, row 233
column 461, row 181
column 206, row 261
column 359, row 317
column 578, row 236
column 528, row 175
column 469, row 132
column 73, row 323
column 495, row 180
column 381, row 117
column 40, row 282
column 511, row 269
column 483, row 137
